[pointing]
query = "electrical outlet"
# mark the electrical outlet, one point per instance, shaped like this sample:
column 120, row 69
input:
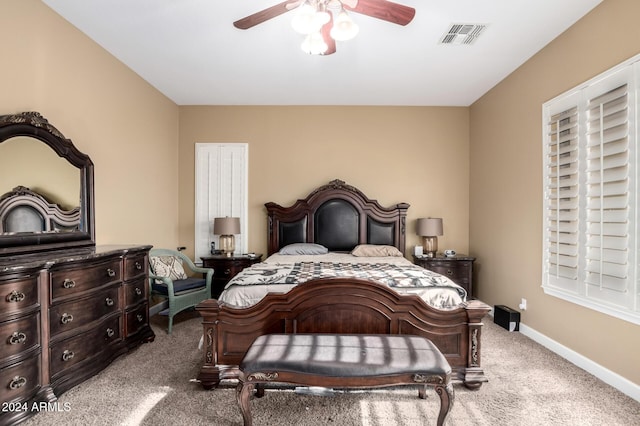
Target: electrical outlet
column 523, row 304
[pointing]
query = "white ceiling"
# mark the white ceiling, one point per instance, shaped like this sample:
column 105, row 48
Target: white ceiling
column 190, row 51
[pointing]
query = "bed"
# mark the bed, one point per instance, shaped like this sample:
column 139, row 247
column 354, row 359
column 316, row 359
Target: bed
column 333, row 291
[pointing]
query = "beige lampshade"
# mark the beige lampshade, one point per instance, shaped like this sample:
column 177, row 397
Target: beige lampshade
column 429, row 227
column 226, row 225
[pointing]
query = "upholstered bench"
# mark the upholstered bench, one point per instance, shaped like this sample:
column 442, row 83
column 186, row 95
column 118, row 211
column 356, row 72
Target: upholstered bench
column 344, row 361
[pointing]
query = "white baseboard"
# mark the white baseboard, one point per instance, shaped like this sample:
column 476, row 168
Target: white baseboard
column 617, row 381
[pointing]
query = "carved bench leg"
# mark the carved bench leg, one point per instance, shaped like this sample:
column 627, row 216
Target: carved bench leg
column 446, row 401
column 243, row 396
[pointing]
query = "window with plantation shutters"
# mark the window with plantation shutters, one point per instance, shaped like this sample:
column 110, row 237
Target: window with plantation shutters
column 589, row 171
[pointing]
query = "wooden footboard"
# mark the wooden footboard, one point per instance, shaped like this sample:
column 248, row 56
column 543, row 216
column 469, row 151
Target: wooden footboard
column 340, row 306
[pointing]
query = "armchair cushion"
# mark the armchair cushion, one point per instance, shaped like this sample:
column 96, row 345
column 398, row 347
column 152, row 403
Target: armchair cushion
column 167, row 266
column 180, row 285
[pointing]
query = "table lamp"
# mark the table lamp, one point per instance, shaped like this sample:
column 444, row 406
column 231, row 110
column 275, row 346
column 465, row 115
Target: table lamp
column 226, row 227
column 429, row 229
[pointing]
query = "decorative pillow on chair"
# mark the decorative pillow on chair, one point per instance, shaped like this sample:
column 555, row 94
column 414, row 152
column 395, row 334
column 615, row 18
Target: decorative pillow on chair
column 167, row 266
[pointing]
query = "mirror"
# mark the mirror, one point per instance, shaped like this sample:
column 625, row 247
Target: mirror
column 37, row 161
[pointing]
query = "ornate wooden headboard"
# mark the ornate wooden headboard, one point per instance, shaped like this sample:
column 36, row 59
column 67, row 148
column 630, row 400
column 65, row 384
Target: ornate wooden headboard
column 338, row 216
column 23, row 210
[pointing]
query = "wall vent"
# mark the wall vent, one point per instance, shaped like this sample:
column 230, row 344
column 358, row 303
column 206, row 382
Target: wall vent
column 463, row 33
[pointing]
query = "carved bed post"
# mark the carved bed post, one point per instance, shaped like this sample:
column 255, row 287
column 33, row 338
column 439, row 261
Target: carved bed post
column 209, row 375
column 474, row 375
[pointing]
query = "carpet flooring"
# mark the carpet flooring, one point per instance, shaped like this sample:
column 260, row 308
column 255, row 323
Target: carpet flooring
column 155, row 385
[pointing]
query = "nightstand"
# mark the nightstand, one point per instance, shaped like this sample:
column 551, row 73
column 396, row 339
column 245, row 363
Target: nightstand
column 225, row 268
column 458, row 268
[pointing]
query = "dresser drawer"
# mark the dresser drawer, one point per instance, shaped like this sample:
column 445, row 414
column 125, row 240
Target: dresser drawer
column 69, row 352
column 19, row 335
column 137, row 319
column 70, row 282
column 73, row 314
column 135, row 266
column 19, row 294
column 21, row 380
column 135, row 292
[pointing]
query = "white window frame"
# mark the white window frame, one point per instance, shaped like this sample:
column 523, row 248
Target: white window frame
column 589, row 227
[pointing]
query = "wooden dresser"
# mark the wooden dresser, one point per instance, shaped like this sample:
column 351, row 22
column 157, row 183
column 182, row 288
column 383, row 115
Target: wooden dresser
column 64, row 316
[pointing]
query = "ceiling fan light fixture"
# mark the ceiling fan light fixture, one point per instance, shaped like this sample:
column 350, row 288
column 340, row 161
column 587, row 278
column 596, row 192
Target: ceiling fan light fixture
column 304, row 21
column 314, row 44
column 310, row 18
column 343, row 27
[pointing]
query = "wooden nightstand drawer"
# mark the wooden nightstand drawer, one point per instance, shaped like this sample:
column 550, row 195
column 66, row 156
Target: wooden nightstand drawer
column 225, row 268
column 459, row 269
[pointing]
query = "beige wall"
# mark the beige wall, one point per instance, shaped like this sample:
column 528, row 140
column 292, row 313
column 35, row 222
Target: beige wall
column 417, row 155
column 126, row 126
column 506, row 185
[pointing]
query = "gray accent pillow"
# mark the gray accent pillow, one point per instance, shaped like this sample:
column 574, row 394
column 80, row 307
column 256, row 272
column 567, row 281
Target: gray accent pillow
column 304, row 248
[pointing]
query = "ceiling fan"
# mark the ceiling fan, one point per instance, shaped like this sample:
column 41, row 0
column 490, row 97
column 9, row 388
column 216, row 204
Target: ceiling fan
column 322, row 35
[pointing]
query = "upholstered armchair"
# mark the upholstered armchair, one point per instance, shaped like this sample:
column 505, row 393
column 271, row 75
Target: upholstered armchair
column 168, row 277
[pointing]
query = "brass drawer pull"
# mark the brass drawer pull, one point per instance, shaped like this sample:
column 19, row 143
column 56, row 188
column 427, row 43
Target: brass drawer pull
column 110, row 332
column 68, row 283
column 138, row 291
column 227, row 271
column 138, row 266
column 111, row 272
column 15, row 296
column 139, row 317
column 17, row 382
column 17, row 338
column 449, row 272
column 67, row 355
column 66, row 318
column 109, row 301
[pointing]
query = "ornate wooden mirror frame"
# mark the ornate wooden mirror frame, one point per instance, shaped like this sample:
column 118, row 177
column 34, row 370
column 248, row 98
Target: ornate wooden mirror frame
column 33, row 125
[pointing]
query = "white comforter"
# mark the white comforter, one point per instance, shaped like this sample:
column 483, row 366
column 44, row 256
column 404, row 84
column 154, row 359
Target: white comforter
column 444, row 294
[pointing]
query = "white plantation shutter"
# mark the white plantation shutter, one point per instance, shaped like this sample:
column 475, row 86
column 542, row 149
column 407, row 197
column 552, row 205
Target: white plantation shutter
column 590, row 215
column 221, row 189
column 607, row 190
column 562, row 190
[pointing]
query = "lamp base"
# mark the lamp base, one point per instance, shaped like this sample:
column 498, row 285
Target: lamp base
column 227, row 244
column 430, row 246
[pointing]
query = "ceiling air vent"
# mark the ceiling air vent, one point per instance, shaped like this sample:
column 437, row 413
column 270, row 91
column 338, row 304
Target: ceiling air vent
column 463, row 33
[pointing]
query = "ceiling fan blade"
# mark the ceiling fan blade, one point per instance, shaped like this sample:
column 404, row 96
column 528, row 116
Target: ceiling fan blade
column 266, row 14
column 331, row 43
column 385, row 10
